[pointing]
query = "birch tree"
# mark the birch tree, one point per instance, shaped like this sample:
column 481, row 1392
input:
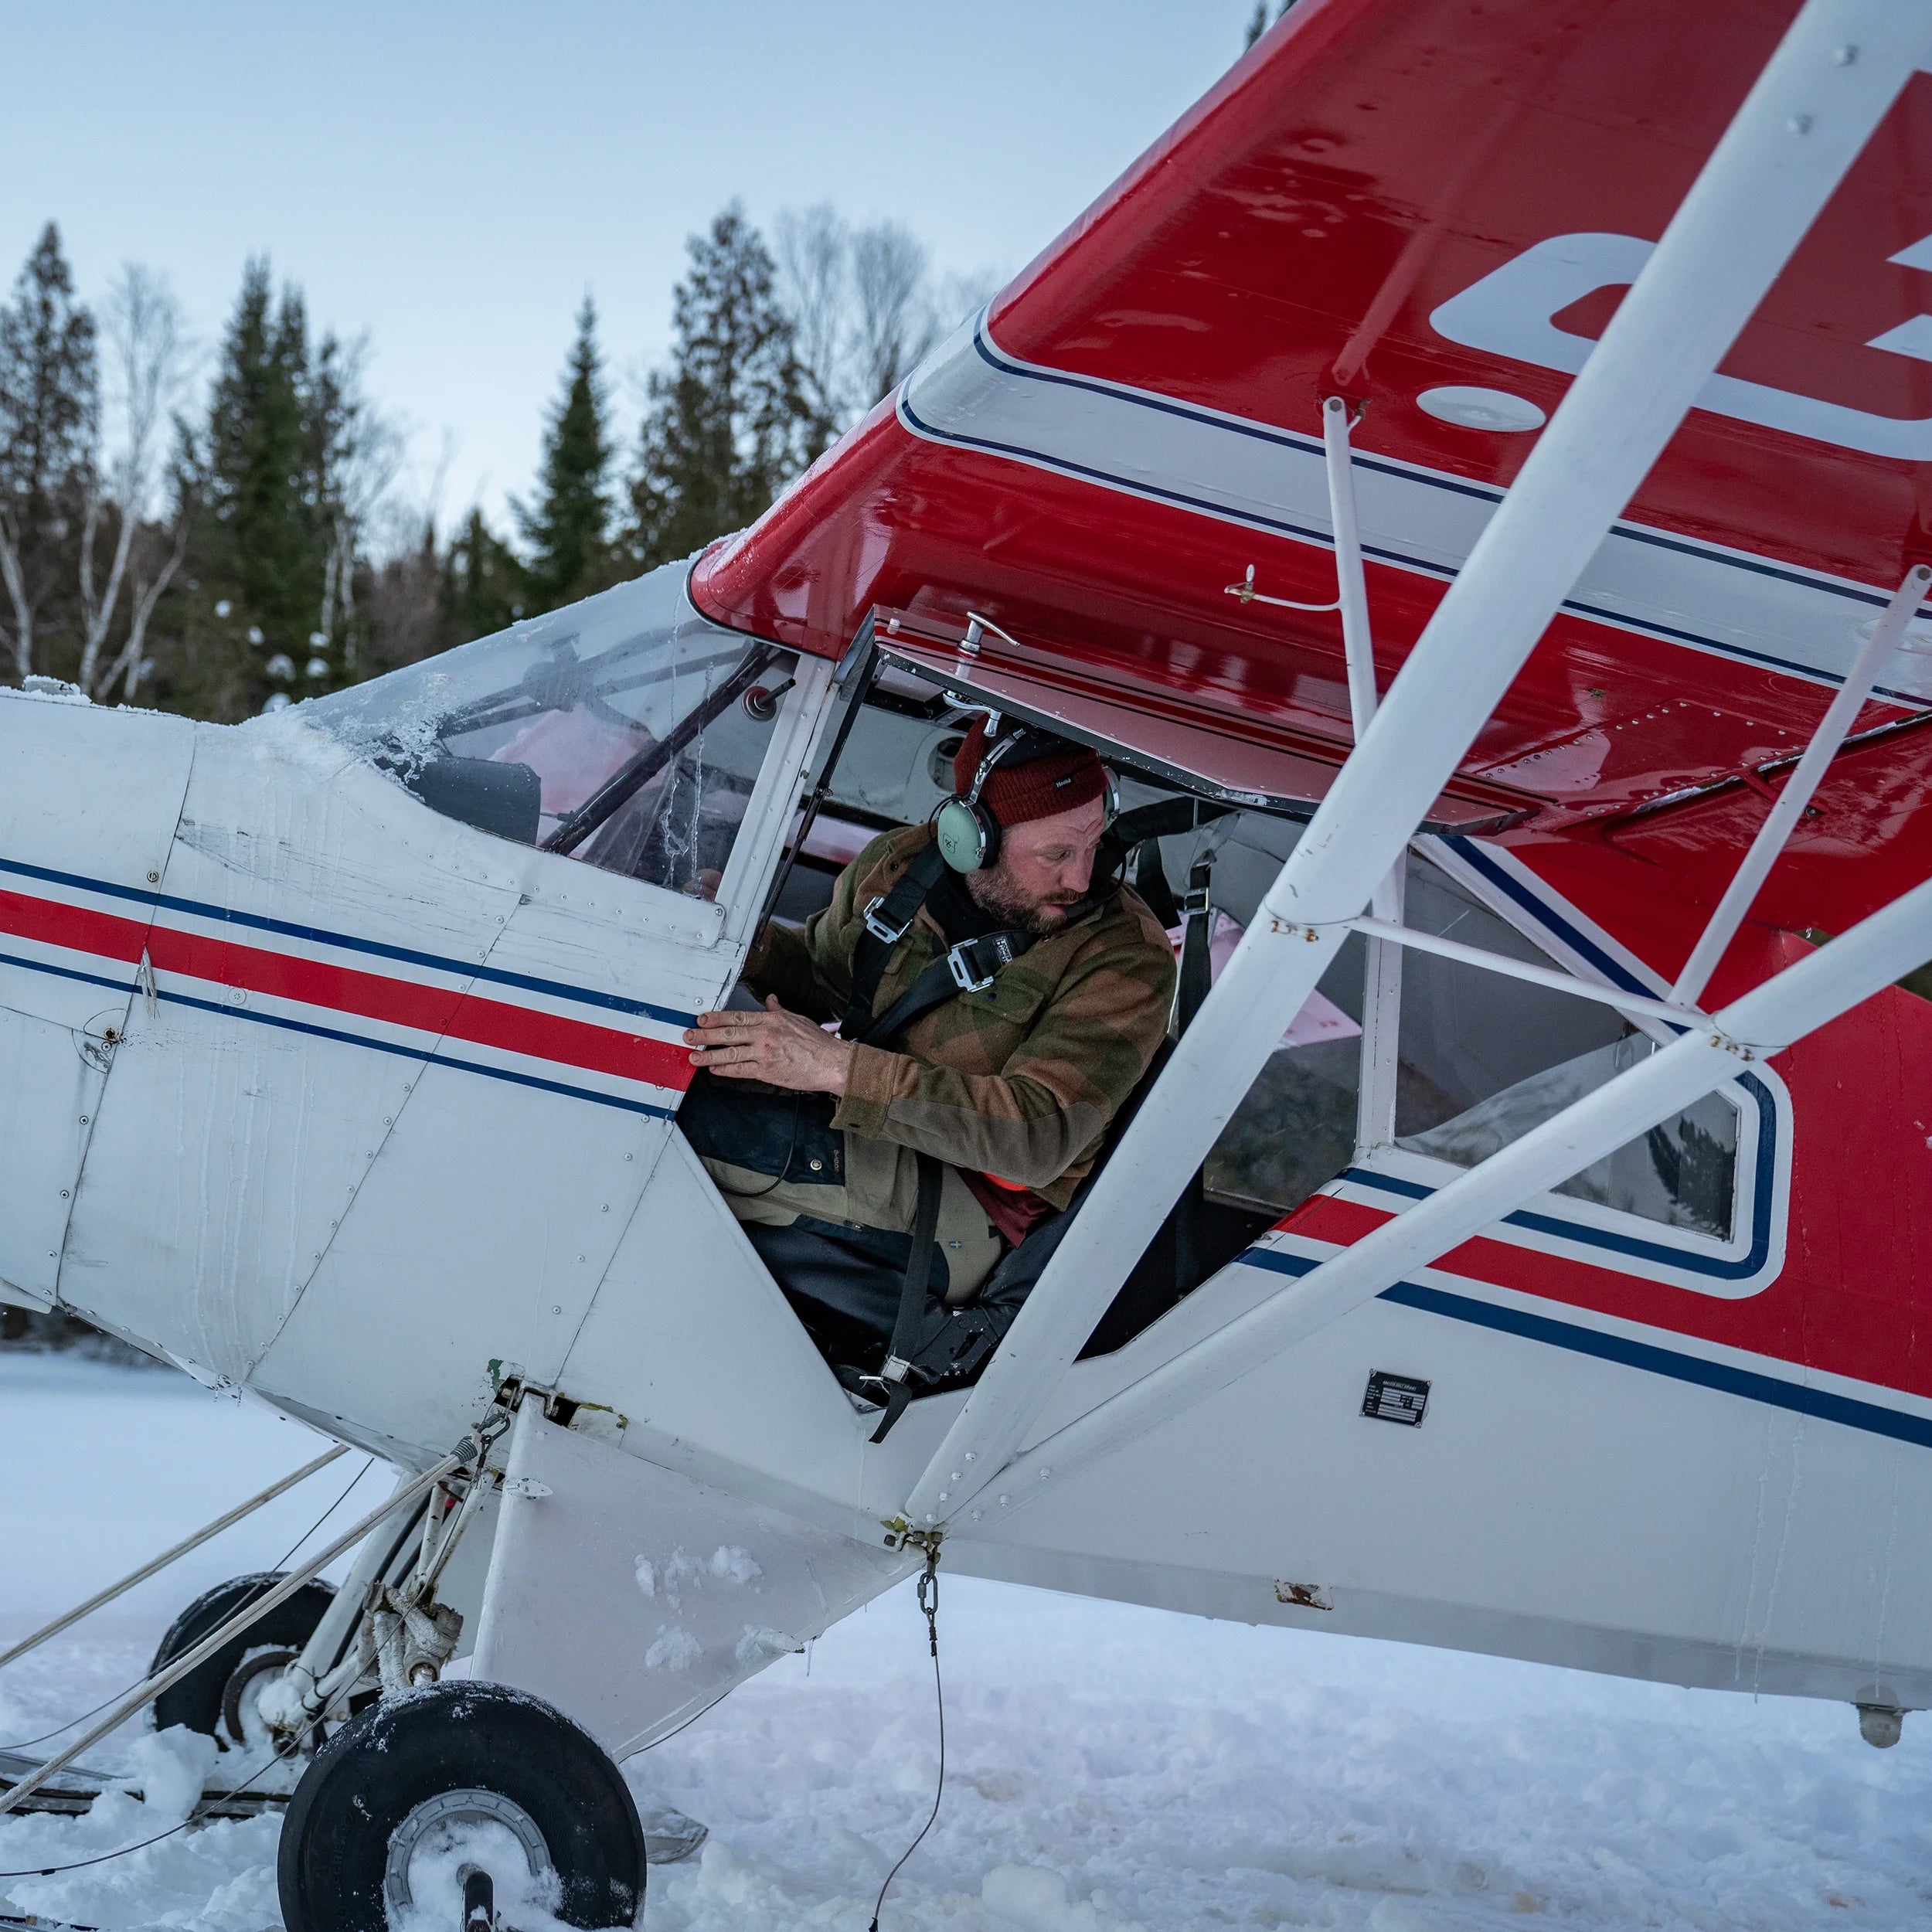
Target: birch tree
column 814, row 259
column 864, row 307
column 147, row 355
column 893, row 322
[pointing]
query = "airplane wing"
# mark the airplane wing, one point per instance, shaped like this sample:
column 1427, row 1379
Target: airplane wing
column 1430, row 209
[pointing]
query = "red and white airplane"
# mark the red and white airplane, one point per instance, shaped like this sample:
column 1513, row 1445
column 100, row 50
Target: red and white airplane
column 1490, row 448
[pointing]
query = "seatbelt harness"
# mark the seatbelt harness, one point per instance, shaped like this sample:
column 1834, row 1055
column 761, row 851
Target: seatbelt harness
column 969, row 967
column 912, row 1294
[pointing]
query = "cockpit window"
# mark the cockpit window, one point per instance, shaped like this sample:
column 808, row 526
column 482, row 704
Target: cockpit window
column 616, row 731
column 1482, row 1058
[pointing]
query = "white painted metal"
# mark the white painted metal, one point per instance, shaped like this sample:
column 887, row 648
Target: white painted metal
column 630, row 1596
column 1351, row 583
column 1555, row 1505
column 703, row 1361
column 775, row 801
column 192, row 1658
column 1765, row 1021
column 330, row 1637
column 1799, row 131
column 228, row 1148
column 1382, row 987
column 1384, row 933
column 94, row 792
column 1381, row 1016
column 1789, row 806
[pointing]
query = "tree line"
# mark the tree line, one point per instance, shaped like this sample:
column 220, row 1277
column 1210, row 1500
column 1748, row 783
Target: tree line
column 221, row 554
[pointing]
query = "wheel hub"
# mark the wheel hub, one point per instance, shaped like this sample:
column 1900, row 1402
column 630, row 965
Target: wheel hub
column 244, row 1721
column 433, row 1828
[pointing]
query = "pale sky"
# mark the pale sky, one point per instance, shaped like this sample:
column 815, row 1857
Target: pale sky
column 452, row 178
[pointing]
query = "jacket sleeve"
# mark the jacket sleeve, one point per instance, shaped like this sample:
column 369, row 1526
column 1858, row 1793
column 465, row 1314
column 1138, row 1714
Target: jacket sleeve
column 1049, row 1106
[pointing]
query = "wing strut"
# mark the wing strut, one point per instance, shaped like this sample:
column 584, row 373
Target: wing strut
column 1830, row 82
column 1790, row 1004
column 1382, row 983
column 1839, row 717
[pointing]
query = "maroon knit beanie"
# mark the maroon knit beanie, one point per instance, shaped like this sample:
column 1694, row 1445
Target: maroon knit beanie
column 1067, row 775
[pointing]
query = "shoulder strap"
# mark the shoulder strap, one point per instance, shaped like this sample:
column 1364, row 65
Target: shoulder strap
column 968, row 968
column 886, row 919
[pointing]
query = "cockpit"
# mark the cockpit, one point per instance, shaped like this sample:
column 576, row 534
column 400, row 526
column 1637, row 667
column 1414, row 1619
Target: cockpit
column 630, row 732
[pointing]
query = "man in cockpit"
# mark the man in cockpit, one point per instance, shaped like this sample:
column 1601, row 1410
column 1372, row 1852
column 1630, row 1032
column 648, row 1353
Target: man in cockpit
column 998, row 1000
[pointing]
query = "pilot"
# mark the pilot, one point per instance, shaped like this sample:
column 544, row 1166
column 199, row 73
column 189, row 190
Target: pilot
column 998, row 996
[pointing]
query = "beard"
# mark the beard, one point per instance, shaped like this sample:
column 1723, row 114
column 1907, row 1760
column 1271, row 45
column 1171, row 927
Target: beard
column 999, row 896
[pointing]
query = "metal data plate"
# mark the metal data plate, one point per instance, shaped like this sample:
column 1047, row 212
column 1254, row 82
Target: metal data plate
column 1396, row 1399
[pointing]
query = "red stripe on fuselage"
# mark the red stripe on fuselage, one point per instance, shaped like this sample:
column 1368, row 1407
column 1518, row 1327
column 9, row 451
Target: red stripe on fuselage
column 78, row 928
column 345, row 989
column 1501, row 1264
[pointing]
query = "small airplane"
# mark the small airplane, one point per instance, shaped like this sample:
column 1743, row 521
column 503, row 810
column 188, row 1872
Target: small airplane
column 1473, row 469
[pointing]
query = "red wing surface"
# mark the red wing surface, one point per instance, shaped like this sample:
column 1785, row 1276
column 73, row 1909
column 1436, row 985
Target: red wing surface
column 1431, row 208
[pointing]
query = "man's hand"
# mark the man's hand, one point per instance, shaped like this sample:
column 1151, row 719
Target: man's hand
column 779, row 1048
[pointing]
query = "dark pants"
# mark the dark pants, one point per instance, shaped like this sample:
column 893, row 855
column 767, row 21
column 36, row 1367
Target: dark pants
column 844, row 1281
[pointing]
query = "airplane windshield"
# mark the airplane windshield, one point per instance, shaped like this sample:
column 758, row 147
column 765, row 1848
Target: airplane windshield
column 611, row 730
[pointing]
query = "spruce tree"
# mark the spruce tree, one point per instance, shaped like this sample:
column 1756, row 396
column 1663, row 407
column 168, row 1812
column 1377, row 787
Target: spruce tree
column 729, row 423
column 50, row 401
column 259, row 558
column 484, row 587
column 1259, row 23
column 568, row 530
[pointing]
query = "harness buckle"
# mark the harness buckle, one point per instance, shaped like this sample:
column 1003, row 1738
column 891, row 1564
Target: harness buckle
column 885, row 935
column 896, row 1369
column 965, row 977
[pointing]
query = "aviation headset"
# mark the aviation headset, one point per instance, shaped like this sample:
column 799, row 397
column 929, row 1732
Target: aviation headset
column 967, row 834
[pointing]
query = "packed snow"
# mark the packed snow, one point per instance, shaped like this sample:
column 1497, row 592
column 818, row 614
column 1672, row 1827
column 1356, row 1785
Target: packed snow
column 1108, row 1768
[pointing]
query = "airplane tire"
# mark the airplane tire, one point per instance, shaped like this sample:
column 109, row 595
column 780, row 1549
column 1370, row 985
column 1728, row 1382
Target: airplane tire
column 210, row 1697
column 423, row 1786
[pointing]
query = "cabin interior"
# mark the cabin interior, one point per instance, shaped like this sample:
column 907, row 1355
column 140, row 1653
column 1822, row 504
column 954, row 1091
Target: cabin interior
column 638, row 752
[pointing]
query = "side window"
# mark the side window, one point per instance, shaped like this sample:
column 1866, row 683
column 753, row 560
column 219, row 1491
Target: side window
column 626, row 731
column 1294, row 1130
column 1481, row 1059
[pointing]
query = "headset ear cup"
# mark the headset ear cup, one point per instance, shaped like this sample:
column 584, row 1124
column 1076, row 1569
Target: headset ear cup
column 967, row 834
column 988, row 837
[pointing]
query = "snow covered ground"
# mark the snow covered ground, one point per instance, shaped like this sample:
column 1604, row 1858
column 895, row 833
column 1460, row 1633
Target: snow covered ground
column 1109, row 1767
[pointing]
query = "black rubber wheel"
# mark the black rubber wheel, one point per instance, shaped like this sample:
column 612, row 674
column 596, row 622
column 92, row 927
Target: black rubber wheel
column 208, row 1698
column 408, row 1777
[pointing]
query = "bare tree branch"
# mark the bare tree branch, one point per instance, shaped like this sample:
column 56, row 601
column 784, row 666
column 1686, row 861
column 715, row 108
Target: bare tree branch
column 14, row 578
column 891, row 321
column 148, row 357
column 814, row 250
column 131, row 665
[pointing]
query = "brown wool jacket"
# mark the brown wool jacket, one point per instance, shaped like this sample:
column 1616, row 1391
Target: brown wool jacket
column 1020, row 1081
